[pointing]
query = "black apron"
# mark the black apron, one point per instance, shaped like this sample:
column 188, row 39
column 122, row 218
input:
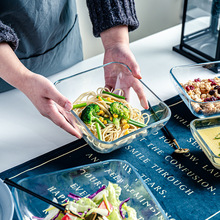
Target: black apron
column 48, row 32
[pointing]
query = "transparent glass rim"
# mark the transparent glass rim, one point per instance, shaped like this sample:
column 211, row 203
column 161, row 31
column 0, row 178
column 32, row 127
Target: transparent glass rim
column 192, row 66
column 86, row 166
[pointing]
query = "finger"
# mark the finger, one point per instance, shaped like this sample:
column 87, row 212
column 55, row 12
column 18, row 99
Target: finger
column 62, row 121
column 138, row 88
column 136, row 72
column 135, row 69
column 61, row 100
column 70, row 118
column 126, row 93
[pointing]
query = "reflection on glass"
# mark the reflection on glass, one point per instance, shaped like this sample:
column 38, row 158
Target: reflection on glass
column 201, row 32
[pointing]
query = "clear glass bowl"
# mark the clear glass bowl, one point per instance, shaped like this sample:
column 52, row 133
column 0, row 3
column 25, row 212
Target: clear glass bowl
column 85, row 180
column 208, row 144
column 90, row 80
column 182, row 74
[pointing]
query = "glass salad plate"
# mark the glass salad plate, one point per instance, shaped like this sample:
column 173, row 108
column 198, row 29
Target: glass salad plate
column 206, row 132
column 83, row 181
column 199, row 87
column 6, row 202
column 90, row 80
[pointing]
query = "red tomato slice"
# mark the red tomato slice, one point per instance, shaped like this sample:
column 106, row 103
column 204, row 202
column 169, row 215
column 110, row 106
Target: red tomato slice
column 102, row 205
column 66, row 217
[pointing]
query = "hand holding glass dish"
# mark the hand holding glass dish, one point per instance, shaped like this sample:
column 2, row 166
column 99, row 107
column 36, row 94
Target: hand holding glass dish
column 87, row 82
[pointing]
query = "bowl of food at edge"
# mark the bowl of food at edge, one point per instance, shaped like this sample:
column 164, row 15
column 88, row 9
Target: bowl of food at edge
column 199, row 87
column 89, row 192
column 206, row 132
column 106, row 119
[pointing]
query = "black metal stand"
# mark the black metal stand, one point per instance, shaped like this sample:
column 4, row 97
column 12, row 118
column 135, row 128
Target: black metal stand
column 189, row 54
column 203, row 45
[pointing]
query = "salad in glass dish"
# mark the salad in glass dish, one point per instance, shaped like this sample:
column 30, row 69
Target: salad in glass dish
column 84, row 181
column 101, row 205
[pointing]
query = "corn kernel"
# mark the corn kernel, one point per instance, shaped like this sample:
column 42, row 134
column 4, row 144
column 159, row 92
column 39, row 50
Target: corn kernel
column 115, row 115
column 105, row 122
column 101, row 119
column 123, row 121
column 126, row 126
column 100, row 99
column 100, row 112
column 126, row 132
column 106, row 116
column 109, row 99
column 111, row 118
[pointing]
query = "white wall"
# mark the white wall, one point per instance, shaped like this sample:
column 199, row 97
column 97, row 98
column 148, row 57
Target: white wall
column 153, row 15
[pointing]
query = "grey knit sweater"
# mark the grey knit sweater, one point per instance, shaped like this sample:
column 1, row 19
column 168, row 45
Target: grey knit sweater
column 104, row 14
column 8, row 35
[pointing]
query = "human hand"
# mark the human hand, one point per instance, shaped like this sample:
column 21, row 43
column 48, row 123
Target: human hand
column 42, row 93
column 118, row 51
column 50, row 103
column 119, row 76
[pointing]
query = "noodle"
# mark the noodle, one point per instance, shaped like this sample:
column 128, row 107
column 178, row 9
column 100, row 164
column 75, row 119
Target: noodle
column 110, row 132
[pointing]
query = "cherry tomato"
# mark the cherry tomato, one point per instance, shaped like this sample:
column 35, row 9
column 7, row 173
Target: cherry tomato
column 66, row 217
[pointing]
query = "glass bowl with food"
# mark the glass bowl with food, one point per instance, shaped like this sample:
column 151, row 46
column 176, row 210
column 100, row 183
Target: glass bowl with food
column 104, row 188
column 206, row 132
column 199, row 87
column 110, row 119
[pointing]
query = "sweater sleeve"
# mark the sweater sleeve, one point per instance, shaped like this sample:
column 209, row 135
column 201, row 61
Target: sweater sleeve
column 8, row 35
column 110, row 13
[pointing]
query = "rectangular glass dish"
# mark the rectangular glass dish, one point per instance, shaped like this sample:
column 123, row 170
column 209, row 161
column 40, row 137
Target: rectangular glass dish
column 90, row 80
column 199, row 87
column 83, row 181
column 206, row 132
